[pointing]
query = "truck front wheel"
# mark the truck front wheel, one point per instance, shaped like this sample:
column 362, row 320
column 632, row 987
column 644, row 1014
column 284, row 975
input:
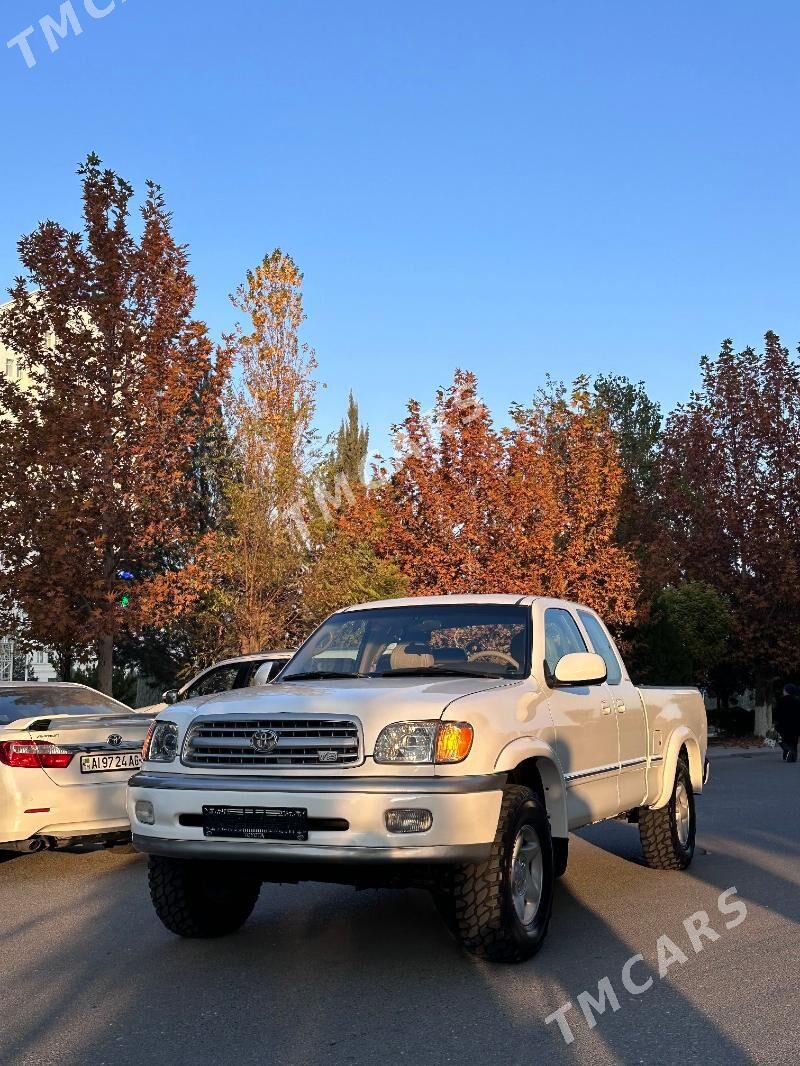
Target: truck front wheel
column 668, row 834
column 500, row 909
column 201, row 899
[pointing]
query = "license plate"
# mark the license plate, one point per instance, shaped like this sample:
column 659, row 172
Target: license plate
column 256, row 823
column 102, row 764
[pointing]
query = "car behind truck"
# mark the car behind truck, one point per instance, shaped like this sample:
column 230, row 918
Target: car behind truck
column 447, row 742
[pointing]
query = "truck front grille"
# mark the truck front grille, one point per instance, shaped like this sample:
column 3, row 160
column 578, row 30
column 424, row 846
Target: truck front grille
column 270, row 742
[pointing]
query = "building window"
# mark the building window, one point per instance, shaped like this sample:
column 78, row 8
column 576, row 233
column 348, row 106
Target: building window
column 6, row 660
column 11, row 369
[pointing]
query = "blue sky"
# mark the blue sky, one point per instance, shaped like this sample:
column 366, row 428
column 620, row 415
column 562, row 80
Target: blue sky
column 519, row 189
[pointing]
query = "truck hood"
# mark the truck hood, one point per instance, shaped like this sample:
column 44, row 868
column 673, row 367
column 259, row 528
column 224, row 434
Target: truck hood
column 375, row 702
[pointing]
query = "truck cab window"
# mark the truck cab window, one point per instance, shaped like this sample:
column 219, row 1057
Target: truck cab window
column 561, row 637
column 602, row 645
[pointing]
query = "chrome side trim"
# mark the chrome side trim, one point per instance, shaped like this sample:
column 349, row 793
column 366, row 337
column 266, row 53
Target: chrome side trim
column 248, row 783
column 577, row 775
column 628, row 763
column 277, row 850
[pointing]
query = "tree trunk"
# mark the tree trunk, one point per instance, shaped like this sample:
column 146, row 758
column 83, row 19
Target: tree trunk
column 105, row 663
column 63, row 663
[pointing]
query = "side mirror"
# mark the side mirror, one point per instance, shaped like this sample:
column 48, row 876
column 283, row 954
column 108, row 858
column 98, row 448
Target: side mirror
column 170, row 696
column 580, row 668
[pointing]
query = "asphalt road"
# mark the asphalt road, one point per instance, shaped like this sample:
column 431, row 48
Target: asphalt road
column 325, row 974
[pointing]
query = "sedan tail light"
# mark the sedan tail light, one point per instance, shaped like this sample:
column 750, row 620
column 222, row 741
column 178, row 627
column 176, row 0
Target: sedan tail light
column 34, row 755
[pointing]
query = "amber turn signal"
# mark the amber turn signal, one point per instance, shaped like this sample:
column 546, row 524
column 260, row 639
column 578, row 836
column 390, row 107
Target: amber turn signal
column 453, row 742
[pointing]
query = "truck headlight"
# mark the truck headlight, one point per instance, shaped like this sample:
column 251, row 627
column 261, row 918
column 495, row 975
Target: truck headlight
column 423, row 742
column 161, row 743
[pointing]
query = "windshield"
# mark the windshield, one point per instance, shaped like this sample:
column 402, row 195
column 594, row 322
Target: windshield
column 28, row 702
column 472, row 640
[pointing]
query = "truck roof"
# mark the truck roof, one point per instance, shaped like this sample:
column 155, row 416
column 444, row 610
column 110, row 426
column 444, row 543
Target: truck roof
column 434, row 601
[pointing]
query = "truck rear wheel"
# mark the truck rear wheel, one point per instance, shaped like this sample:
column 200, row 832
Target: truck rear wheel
column 668, row 834
column 201, row 899
column 500, row 909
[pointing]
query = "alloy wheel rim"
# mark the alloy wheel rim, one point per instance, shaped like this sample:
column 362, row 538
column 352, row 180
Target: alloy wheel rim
column 527, row 874
column 683, row 814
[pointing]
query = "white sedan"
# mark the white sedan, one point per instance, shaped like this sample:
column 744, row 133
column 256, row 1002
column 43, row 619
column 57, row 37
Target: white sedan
column 66, row 753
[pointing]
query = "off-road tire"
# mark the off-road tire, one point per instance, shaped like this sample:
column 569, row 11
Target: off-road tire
column 560, row 855
column 476, row 899
column 658, row 830
column 201, row 899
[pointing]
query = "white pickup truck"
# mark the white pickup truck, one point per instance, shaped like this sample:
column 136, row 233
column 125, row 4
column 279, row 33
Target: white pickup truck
column 446, row 742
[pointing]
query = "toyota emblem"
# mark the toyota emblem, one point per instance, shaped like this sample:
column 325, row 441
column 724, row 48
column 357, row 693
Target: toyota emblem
column 115, row 740
column 265, row 740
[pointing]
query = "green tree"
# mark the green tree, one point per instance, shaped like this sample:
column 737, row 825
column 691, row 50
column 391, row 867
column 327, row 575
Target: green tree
column 635, row 420
column 352, row 444
column 346, row 570
column 685, row 637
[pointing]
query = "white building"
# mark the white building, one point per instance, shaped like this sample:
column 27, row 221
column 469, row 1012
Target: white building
column 37, row 663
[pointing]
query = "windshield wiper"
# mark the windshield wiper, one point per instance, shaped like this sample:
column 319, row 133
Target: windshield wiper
column 432, row 671
column 317, row 675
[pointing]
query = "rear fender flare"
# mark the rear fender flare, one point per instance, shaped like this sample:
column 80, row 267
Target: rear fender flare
column 682, row 737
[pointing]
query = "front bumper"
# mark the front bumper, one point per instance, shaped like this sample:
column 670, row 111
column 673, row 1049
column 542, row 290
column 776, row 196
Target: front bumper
column 465, row 813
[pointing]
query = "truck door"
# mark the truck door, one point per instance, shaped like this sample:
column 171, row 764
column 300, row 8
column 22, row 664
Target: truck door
column 585, row 724
column 628, row 712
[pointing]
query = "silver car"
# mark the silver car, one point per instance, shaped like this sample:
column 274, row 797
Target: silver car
column 241, row 671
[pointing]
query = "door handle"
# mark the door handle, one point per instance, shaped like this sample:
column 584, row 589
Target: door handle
column 606, row 708
column 620, row 706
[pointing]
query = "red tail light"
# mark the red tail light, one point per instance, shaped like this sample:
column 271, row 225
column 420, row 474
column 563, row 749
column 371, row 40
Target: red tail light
column 34, row 755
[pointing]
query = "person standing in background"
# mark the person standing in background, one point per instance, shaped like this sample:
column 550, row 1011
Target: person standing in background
column 786, row 717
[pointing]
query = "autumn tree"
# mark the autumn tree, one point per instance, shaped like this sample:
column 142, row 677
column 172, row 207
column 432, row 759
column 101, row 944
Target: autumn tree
column 530, row 509
column 96, row 456
column 731, row 496
column 445, row 502
column 567, row 484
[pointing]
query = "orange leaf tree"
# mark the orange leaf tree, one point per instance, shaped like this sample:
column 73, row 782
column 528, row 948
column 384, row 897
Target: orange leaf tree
column 529, row 509
column 730, row 483
column 99, row 457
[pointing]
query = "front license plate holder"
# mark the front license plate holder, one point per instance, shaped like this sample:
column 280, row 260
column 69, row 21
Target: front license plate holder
column 256, row 823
